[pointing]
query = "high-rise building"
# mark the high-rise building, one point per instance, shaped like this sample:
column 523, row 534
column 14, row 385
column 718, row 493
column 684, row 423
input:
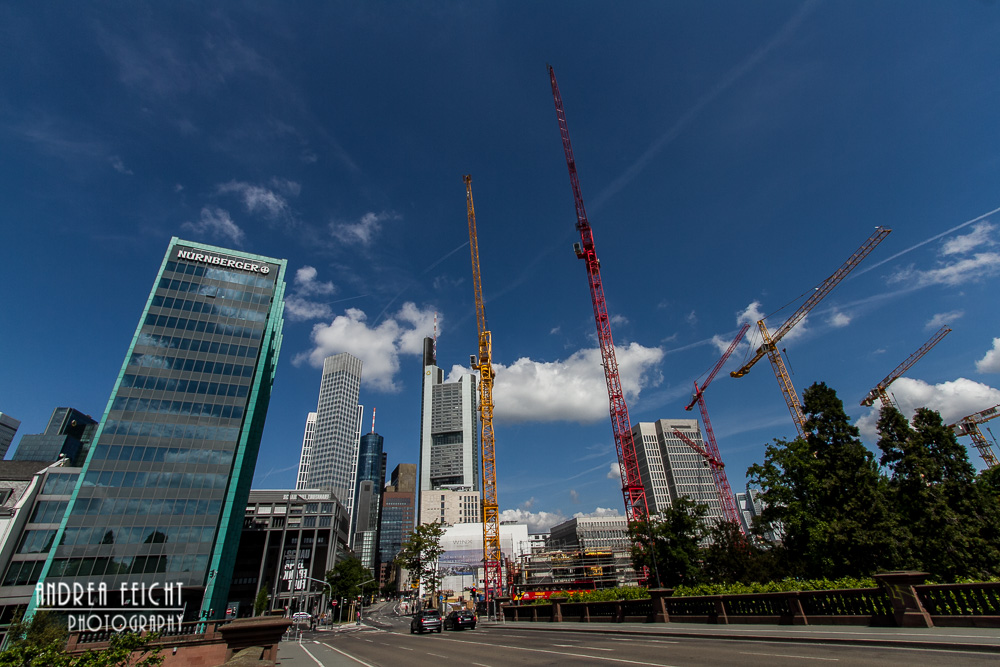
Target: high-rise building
column 8, row 427
column 68, row 435
column 165, row 484
column 368, row 498
column 333, row 460
column 397, row 517
column 449, row 429
column 307, row 443
column 671, row 469
column 451, row 505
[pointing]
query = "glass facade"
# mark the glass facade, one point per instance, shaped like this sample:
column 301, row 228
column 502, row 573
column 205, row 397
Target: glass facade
column 163, row 489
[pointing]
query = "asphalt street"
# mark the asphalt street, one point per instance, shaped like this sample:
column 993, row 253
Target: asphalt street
column 384, row 640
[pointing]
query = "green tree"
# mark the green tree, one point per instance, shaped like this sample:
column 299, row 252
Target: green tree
column 41, row 642
column 260, row 603
column 419, row 555
column 732, row 557
column 950, row 520
column 346, row 578
column 668, row 544
column 825, row 493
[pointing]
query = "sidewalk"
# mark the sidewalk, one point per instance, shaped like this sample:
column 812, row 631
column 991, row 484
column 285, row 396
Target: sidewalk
column 986, row 640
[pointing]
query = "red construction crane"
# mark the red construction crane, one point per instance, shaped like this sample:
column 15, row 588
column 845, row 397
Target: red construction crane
column 713, row 456
column 769, row 340
column 970, row 426
column 879, row 392
column 633, row 490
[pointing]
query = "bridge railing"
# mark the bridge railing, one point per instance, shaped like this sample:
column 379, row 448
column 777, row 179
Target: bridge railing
column 900, row 599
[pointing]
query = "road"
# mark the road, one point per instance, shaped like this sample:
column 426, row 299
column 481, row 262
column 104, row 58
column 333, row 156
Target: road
column 385, row 641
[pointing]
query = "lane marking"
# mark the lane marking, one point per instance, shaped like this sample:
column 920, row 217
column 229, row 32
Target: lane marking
column 311, row 655
column 796, row 657
column 346, row 655
column 568, row 655
column 437, row 655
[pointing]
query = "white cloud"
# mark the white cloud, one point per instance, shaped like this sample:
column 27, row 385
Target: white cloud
column 619, row 320
column 941, row 319
column 119, row 166
column 260, row 199
column 953, row 399
column 991, row 362
column 363, row 231
column 977, row 267
column 615, row 471
column 537, row 522
column 554, row 330
column 306, row 283
column 216, row 223
column 574, row 495
column 573, row 389
column 379, row 348
column 839, row 319
column 691, row 318
column 299, row 306
column 750, row 314
column 980, row 235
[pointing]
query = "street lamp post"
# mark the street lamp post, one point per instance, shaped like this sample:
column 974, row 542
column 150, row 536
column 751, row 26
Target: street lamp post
column 361, row 608
column 325, row 583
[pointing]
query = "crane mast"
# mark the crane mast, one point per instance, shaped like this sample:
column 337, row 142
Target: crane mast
column 484, row 364
column 880, row 391
column 769, row 340
column 969, row 426
column 636, row 508
column 713, row 456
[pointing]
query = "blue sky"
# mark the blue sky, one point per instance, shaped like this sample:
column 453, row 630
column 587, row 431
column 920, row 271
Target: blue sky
column 731, row 156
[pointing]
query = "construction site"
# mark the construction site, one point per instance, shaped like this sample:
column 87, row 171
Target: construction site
column 582, row 568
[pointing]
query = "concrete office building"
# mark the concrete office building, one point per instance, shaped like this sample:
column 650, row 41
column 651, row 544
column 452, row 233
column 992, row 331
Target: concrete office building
column 451, row 505
column 591, row 533
column 332, row 463
column 449, row 430
column 165, row 485
column 67, row 435
column 670, row 468
column 307, row 443
column 8, row 428
column 290, row 540
column 33, row 500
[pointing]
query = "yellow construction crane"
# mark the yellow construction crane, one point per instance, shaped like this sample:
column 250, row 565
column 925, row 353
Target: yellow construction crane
column 880, row 391
column 492, row 558
column 769, row 341
column 970, row 426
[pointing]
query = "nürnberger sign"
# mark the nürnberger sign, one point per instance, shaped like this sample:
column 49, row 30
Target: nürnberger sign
column 223, row 262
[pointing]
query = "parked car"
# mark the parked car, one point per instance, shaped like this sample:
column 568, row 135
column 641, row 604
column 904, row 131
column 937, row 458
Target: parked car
column 459, row 620
column 427, row 620
column 301, row 616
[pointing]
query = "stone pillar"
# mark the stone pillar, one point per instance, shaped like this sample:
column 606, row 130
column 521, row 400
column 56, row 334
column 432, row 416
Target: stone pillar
column 262, row 631
column 557, row 604
column 795, row 604
column 720, row 611
column 659, row 597
column 906, row 606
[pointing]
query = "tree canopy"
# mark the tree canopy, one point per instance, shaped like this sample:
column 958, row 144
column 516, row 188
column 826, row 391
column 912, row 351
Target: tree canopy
column 419, row 555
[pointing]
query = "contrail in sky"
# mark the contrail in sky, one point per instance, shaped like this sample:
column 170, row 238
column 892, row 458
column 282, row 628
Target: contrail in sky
column 407, row 285
column 926, row 241
column 689, row 116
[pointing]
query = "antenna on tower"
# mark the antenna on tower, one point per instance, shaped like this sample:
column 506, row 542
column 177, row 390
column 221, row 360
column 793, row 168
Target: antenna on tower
column 373, row 420
column 435, row 335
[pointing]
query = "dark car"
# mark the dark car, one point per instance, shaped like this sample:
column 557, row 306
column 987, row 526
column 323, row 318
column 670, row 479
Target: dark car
column 459, row 620
column 427, row 620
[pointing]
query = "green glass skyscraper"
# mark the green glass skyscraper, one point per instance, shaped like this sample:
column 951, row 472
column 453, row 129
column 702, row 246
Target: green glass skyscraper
column 162, row 493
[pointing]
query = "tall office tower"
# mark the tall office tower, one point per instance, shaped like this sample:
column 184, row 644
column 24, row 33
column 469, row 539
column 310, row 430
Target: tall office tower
column 8, row 427
column 368, row 498
column 307, row 443
column 449, row 429
column 398, row 514
column 671, row 469
column 67, row 435
column 165, row 485
column 333, row 462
